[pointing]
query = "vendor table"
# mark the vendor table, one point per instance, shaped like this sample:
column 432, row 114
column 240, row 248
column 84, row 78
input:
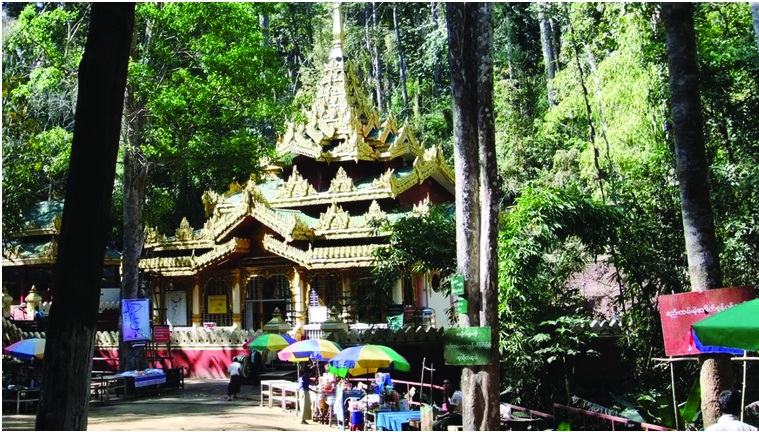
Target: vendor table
column 267, row 390
column 394, row 420
column 287, row 392
column 278, row 374
column 104, row 387
column 28, row 396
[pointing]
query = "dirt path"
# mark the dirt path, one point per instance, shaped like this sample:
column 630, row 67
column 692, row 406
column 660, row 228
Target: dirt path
column 201, row 405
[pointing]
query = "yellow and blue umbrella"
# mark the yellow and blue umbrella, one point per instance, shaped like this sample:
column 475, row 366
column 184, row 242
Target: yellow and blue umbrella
column 310, row 349
column 366, row 359
column 27, row 349
column 268, row 341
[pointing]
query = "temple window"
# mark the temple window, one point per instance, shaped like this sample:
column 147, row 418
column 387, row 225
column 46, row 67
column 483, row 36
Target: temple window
column 326, row 291
column 217, row 303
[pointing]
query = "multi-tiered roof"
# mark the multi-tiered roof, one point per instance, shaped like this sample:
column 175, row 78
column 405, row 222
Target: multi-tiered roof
column 347, row 171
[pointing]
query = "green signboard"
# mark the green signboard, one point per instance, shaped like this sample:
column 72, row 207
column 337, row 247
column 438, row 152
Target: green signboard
column 457, row 285
column 467, row 346
column 463, row 304
column 395, row 322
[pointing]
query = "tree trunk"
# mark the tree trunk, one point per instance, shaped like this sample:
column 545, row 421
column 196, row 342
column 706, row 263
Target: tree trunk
column 135, row 176
column 377, row 63
column 436, row 65
column 588, row 112
column 64, row 403
column 549, row 57
column 401, row 60
column 470, row 42
column 692, row 169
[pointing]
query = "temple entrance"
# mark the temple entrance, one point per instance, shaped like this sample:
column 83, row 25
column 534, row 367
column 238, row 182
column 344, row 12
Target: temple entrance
column 263, row 296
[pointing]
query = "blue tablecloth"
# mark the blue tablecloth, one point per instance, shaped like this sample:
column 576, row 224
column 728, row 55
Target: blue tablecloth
column 146, row 377
column 393, row 420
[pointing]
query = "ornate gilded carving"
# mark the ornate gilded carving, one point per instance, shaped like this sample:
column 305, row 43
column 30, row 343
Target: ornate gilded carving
column 12, row 251
column 57, row 223
column 422, row 208
column 334, row 218
column 384, row 181
column 210, row 200
column 185, row 231
column 296, row 186
column 50, row 250
column 375, row 213
column 341, row 182
column 320, row 258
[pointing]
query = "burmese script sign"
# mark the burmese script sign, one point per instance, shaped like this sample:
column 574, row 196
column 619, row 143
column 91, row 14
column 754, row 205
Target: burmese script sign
column 679, row 311
column 217, row 304
column 467, row 346
column 161, row 334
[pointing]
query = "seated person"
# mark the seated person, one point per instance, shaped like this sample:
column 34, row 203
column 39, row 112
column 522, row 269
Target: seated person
column 730, row 406
column 451, row 409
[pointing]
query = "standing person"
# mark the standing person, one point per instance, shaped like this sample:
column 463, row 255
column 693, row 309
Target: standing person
column 730, row 405
column 235, row 379
column 451, row 409
column 304, row 395
column 256, row 363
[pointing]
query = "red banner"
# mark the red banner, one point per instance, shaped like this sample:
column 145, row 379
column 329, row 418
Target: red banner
column 679, row 311
column 161, row 334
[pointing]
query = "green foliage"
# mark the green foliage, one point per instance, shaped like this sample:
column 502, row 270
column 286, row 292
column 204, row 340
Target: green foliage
column 692, row 408
column 547, row 236
column 629, row 162
column 416, row 244
column 213, row 93
column 41, row 53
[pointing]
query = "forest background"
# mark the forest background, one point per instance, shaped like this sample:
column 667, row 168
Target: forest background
column 585, row 149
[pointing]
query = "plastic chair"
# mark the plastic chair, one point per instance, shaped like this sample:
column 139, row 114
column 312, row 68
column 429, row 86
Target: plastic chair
column 344, row 420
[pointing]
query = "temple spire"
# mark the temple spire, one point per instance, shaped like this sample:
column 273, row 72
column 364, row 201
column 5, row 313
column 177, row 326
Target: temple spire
column 337, row 33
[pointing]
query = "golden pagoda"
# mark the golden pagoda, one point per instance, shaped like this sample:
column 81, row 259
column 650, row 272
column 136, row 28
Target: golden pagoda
column 296, row 238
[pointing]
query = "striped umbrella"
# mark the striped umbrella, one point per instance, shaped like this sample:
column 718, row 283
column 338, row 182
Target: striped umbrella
column 268, row 341
column 366, row 359
column 310, row 349
column 27, row 349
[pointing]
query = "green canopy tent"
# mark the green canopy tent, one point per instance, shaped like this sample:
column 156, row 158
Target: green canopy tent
column 734, row 327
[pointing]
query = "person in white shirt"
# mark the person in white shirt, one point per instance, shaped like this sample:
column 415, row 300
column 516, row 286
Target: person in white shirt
column 235, row 379
column 730, row 405
column 451, row 409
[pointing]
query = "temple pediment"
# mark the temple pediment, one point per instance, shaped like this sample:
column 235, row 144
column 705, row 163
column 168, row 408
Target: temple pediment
column 324, row 257
column 191, row 265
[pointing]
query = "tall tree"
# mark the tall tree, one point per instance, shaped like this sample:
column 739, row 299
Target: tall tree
column 199, row 89
column 692, row 169
column 549, row 52
column 755, row 16
column 470, row 38
column 401, row 61
column 64, row 403
column 41, row 52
